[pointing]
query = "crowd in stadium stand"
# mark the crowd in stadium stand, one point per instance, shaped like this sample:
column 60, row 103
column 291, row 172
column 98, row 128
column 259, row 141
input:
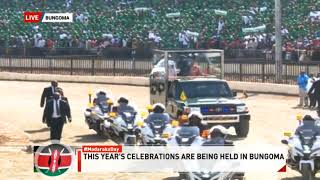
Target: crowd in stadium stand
column 225, row 24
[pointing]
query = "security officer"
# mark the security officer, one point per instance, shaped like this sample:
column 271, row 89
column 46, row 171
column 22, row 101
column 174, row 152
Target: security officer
column 124, row 105
column 195, row 119
column 48, row 92
column 158, row 113
column 55, row 113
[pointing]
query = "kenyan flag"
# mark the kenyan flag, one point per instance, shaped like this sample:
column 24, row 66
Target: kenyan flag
column 53, row 160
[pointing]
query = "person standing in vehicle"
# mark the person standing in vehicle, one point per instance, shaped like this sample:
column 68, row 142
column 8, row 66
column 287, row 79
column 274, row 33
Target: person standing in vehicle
column 302, row 82
column 315, row 89
column 48, row 93
column 55, row 113
column 195, row 70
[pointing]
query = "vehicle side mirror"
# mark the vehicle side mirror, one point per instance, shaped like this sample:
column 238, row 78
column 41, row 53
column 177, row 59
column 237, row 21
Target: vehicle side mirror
column 234, row 93
column 284, row 141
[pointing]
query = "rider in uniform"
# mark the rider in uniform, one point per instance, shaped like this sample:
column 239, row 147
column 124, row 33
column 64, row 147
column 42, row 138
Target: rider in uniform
column 158, row 113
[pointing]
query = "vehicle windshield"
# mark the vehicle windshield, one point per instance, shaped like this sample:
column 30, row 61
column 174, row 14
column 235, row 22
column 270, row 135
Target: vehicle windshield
column 203, row 89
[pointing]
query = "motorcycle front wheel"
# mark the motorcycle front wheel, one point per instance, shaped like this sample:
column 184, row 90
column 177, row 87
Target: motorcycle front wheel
column 130, row 141
column 306, row 172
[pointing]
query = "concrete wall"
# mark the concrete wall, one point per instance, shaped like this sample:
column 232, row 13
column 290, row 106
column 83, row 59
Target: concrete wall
column 143, row 81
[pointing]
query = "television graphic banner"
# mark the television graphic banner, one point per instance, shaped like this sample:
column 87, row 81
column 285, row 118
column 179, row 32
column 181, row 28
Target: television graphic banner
column 256, row 158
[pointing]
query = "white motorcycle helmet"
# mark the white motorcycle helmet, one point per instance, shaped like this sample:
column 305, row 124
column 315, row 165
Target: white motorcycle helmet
column 218, row 131
column 196, row 114
column 195, row 118
column 158, row 108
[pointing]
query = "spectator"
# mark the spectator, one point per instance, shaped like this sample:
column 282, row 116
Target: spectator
column 93, row 17
column 220, row 25
column 315, row 89
column 302, row 82
column 311, row 94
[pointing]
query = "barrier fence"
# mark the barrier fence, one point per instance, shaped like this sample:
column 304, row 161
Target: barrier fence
column 147, row 52
column 101, row 66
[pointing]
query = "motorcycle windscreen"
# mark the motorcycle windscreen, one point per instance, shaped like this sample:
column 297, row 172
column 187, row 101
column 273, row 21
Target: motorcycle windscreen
column 104, row 107
column 157, row 125
column 187, row 134
column 128, row 116
column 307, row 136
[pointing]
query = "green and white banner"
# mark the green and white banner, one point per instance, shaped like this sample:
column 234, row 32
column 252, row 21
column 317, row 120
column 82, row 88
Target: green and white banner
column 254, row 29
column 141, row 9
column 220, row 12
column 173, row 15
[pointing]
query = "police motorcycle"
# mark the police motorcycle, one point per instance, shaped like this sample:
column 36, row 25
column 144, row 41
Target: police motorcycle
column 124, row 122
column 304, row 147
column 185, row 135
column 217, row 136
column 190, row 136
column 98, row 111
column 157, row 127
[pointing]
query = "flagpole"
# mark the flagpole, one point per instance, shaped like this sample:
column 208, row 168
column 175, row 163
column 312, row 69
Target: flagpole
column 278, row 47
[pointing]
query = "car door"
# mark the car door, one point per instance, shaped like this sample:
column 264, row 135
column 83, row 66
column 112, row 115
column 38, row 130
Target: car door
column 171, row 104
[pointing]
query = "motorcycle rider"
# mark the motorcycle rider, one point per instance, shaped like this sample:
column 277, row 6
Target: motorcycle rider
column 195, row 119
column 101, row 100
column 308, row 122
column 124, row 105
column 158, row 112
column 217, row 136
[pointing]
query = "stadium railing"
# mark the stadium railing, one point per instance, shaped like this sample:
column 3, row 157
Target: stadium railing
column 263, row 71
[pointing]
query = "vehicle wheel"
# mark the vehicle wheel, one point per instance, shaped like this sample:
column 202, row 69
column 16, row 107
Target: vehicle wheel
column 242, row 128
column 306, row 172
column 139, row 142
column 99, row 132
column 239, row 176
column 183, row 176
column 130, row 141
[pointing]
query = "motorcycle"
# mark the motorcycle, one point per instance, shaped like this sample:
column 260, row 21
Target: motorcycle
column 96, row 115
column 124, row 125
column 190, row 136
column 304, row 150
column 156, row 132
column 215, row 176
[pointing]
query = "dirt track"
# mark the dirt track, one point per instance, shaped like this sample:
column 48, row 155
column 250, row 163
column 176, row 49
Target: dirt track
column 21, row 114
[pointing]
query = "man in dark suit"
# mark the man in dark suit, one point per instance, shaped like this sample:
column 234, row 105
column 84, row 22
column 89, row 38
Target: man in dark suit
column 55, row 114
column 48, row 93
column 316, row 87
column 62, row 97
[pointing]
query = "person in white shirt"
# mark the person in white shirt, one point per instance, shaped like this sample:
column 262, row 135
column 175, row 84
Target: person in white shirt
column 220, row 25
column 180, row 39
column 157, row 39
column 185, row 40
column 284, row 31
column 41, row 43
column 68, row 3
column 151, row 35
